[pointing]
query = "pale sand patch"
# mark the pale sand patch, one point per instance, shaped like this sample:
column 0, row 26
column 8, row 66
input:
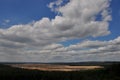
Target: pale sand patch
column 49, row 67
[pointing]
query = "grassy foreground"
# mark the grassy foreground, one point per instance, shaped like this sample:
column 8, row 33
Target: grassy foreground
column 111, row 72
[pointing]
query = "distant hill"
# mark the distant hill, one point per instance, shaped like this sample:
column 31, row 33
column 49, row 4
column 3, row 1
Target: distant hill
column 67, row 63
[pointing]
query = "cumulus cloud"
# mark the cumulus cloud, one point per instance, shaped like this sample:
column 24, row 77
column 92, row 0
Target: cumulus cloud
column 87, row 50
column 37, row 41
column 54, row 5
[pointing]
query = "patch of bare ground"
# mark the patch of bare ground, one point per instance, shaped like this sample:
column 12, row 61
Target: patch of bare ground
column 49, row 67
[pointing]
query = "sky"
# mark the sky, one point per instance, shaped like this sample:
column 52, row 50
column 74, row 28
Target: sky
column 59, row 30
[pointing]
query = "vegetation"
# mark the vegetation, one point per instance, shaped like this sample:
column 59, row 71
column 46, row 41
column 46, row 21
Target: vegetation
column 110, row 72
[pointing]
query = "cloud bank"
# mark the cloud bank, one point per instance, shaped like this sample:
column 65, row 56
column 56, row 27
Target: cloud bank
column 38, row 41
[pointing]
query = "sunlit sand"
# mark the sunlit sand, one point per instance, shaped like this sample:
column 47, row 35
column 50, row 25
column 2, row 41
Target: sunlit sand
column 49, row 67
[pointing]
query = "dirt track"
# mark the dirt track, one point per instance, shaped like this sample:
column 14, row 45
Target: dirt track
column 49, row 67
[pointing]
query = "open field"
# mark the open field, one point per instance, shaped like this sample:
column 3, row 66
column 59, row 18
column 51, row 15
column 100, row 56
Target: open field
column 72, row 71
column 54, row 67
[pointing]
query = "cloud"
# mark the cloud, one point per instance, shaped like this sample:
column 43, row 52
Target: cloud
column 5, row 22
column 37, row 41
column 87, row 51
column 55, row 5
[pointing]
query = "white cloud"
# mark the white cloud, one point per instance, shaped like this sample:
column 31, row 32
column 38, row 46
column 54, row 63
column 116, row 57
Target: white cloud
column 86, row 50
column 5, row 22
column 37, row 41
column 55, row 5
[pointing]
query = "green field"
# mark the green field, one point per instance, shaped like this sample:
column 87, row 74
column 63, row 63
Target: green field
column 110, row 72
